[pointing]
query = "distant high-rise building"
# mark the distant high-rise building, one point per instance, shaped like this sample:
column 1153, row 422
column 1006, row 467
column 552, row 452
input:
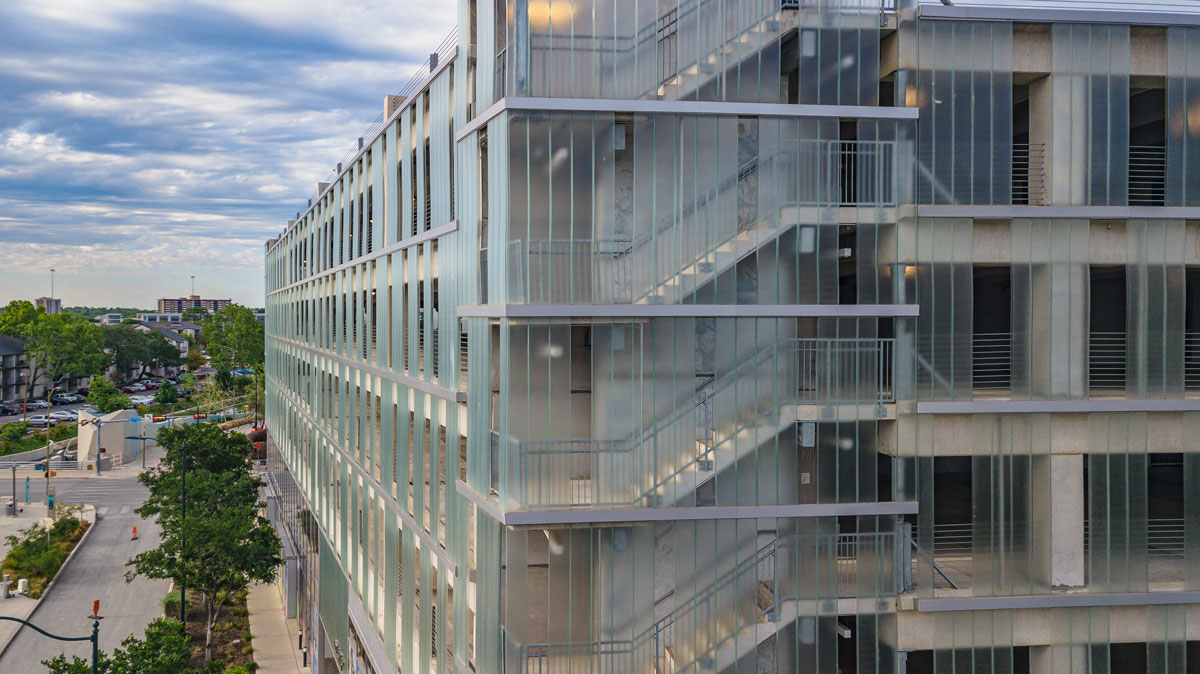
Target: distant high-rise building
column 812, row 336
column 50, row 304
column 178, row 305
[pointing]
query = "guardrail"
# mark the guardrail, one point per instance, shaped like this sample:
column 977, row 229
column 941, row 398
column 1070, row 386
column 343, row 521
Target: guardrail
column 1029, row 174
column 1147, row 175
column 55, row 464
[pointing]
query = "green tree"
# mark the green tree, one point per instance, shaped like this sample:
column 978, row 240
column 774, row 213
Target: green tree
column 57, row 345
column 234, row 338
column 164, row 650
column 162, row 351
column 195, row 359
column 195, row 314
column 127, row 346
column 166, row 395
column 223, row 544
column 104, row 395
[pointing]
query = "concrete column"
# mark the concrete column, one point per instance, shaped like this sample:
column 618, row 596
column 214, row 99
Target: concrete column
column 1058, row 325
column 1065, row 659
column 1058, row 483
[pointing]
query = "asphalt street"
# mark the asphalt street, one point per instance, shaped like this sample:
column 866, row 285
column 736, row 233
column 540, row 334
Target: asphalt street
column 97, row 571
column 18, row 417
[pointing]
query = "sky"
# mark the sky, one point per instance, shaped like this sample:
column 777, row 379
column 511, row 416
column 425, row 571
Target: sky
column 146, row 141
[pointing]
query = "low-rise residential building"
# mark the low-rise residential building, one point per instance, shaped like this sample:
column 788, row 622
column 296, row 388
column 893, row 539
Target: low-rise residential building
column 160, row 317
column 109, row 319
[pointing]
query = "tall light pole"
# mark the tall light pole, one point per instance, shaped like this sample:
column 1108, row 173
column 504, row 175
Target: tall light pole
column 48, row 397
column 193, row 284
column 51, row 283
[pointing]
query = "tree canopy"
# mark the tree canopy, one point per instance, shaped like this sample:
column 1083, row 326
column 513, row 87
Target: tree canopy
column 223, row 544
column 194, row 314
column 129, row 347
column 57, row 345
column 234, row 338
column 163, row 651
column 104, row 395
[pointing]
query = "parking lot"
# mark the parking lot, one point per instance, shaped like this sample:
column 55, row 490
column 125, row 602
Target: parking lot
column 18, row 417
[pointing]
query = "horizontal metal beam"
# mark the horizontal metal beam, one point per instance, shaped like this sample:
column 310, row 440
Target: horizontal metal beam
column 1056, row 406
column 382, row 493
column 1073, row 600
column 404, row 380
column 688, row 310
column 1085, row 13
column 708, row 108
column 428, row 235
column 1075, row 212
column 608, row 516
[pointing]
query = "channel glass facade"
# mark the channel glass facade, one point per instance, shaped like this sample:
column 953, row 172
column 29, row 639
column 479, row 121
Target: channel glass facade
column 754, row 336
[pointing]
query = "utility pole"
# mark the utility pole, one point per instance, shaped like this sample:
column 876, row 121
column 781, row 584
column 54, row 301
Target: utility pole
column 52, row 284
column 193, row 284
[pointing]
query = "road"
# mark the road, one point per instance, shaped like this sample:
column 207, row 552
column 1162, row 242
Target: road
column 55, row 408
column 96, row 572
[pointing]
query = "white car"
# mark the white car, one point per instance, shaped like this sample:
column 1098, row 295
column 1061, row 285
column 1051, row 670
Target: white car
column 64, row 415
column 41, row 420
column 37, row 405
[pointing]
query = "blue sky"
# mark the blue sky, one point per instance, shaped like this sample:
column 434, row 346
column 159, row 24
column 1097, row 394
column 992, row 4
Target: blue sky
column 142, row 142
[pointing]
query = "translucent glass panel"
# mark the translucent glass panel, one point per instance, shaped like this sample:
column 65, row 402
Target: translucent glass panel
column 1156, row 308
column 1017, row 504
column 683, row 596
column 666, row 412
column 964, row 92
column 671, row 208
column 1089, row 156
column 815, row 51
column 1183, row 116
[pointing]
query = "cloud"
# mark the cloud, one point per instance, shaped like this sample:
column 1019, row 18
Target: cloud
column 142, row 131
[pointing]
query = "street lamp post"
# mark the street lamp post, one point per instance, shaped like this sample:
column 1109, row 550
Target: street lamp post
column 94, row 637
column 48, row 397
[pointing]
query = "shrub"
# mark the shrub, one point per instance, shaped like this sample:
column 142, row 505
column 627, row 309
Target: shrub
column 30, row 557
column 170, row 603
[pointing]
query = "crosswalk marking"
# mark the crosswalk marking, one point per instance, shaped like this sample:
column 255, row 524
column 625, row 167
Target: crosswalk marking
column 102, row 510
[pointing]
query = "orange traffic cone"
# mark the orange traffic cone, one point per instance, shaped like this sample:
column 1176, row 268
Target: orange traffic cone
column 134, row 534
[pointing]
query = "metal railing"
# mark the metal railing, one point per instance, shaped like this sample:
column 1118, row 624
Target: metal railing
column 991, row 361
column 749, row 593
column 571, row 270
column 1106, row 361
column 1029, row 174
column 1191, row 361
column 448, row 46
column 1147, row 175
column 622, row 472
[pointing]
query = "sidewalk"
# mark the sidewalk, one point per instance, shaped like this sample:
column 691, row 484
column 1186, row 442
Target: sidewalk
column 16, row 606
column 275, row 637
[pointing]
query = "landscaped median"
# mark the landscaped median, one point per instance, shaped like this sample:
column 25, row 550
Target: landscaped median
column 31, row 557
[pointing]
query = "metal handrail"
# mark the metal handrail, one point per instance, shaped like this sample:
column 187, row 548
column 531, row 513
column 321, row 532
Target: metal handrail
column 991, row 361
column 1106, row 360
column 1147, row 175
column 1029, row 173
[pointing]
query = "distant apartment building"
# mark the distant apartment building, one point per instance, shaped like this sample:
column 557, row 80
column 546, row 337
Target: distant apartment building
column 758, row 336
column 15, row 372
column 50, row 304
column 173, row 305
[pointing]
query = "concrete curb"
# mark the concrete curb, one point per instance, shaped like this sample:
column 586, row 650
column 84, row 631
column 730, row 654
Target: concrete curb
column 49, row 586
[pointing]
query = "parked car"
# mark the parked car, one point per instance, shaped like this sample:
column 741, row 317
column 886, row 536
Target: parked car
column 64, row 415
column 41, row 420
column 37, row 405
column 149, row 385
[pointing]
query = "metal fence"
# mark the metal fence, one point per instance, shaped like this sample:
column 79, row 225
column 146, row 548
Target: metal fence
column 1106, row 361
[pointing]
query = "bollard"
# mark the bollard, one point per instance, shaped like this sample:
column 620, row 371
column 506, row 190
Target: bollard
column 134, row 534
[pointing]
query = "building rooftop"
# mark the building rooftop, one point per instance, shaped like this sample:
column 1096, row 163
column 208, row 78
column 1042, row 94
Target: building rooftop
column 11, row 346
